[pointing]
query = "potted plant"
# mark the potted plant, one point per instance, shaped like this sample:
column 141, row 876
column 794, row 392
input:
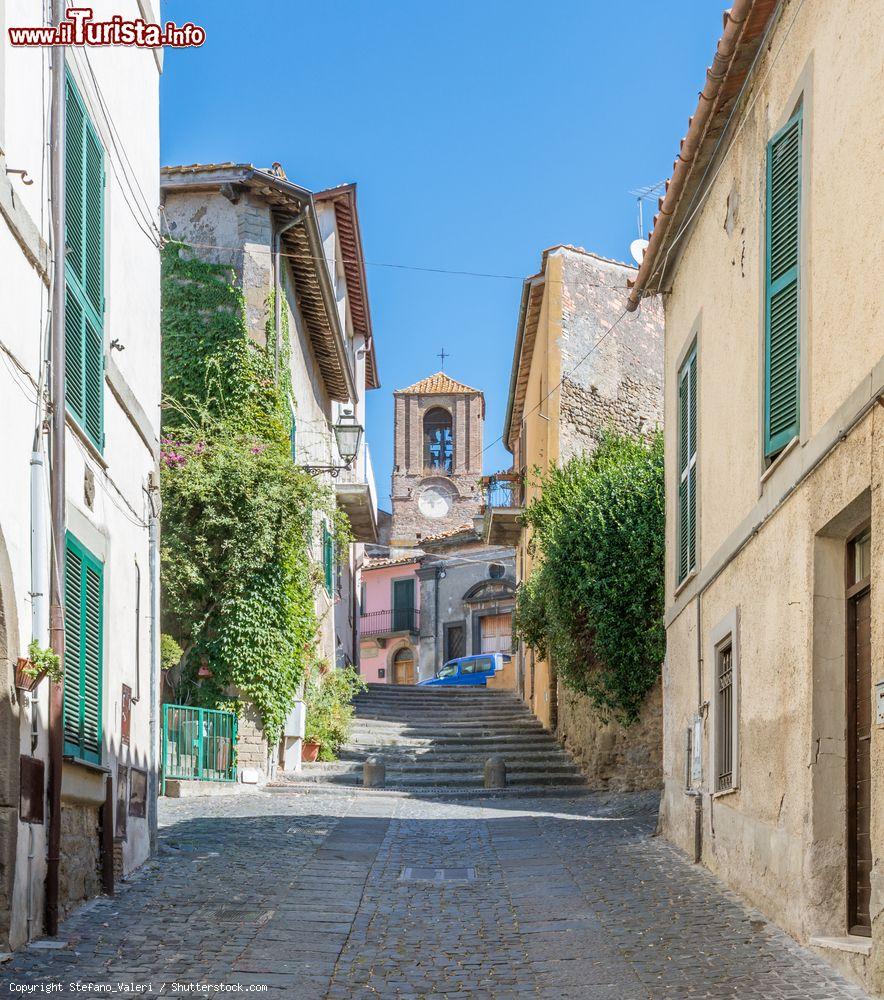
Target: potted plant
column 39, row 663
column 329, row 697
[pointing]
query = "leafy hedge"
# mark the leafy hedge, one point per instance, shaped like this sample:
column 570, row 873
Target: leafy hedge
column 238, row 515
column 595, row 598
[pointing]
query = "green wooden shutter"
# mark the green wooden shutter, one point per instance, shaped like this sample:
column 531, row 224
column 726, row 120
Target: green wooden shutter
column 687, row 467
column 328, row 558
column 73, row 576
column 782, row 353
column 83, row 614
column 84, row 269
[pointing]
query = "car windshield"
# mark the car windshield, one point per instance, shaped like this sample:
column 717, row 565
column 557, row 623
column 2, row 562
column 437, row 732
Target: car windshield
column 447, row 669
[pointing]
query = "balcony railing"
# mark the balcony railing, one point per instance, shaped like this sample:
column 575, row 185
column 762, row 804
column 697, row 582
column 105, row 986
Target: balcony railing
column 388, row 622
column 503, row 491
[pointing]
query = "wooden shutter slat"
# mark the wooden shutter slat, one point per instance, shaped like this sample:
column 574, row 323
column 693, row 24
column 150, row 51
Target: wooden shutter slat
column 73, row 354
column 782, row 335
column 93, row 382
column 73, row 187
column 92, row 663
column 73, row 572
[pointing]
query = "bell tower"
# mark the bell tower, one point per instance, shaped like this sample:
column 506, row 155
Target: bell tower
column 437, row 458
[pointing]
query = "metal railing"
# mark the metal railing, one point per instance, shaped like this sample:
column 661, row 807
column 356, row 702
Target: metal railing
column 199, row 744
column 387, row 622
column 503, row 490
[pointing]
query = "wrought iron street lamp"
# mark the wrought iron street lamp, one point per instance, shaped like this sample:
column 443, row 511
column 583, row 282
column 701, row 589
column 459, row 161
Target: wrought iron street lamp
column 348, row 437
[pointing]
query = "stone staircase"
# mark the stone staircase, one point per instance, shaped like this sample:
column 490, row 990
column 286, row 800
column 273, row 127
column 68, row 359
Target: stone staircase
column 440, row 738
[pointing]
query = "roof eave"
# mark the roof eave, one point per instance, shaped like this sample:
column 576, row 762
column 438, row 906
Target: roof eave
column 682, row 186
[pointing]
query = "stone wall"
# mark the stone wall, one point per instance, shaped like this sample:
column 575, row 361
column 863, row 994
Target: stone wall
column 251, row 744
column 612, row 757
column 79, row 870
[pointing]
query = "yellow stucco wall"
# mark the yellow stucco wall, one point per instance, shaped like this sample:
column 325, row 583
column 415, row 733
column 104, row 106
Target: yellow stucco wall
column 772, row 546
column 539, row 447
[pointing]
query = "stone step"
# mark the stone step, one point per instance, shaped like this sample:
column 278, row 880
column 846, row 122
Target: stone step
column 474, row 780
column 453, row 738
column 455, row 729
column 515, row 756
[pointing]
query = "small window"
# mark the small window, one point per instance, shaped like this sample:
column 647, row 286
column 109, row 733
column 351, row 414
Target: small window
column 496, row 571
column 862, row 556
column 725, row 721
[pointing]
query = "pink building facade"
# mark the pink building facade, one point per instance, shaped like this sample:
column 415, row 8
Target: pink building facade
column 389, row 636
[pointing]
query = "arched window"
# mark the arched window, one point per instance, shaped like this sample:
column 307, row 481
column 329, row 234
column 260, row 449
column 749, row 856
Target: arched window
column 438, row 441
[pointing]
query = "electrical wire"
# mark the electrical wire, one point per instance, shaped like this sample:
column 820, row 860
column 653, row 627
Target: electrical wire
column 377, row 263
column 558, row 384
column 701, row 199
column 141, row 221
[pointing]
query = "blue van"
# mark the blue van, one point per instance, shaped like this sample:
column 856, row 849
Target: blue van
column 468, row 670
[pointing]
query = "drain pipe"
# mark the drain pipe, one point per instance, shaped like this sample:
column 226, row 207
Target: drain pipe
column 277, row 287
column 154, row 598
column 57, row 488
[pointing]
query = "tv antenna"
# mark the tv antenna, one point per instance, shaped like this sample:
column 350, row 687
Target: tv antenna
column 648, row 192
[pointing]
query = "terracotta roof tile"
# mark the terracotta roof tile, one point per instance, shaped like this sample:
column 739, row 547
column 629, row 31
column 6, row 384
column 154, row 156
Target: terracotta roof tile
column 451, row 533
column 439, row 384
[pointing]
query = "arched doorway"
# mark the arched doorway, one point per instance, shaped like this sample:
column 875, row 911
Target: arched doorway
column 403, row 666
column 438, row 441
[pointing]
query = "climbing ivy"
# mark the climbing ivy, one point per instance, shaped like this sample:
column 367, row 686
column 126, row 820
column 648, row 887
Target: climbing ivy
column 238, row 516
column 595, row 597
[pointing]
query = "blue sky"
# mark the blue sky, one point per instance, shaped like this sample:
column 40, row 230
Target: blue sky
column 478, row 132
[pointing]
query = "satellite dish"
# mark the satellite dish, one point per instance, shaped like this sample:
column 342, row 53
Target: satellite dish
column 637, row 249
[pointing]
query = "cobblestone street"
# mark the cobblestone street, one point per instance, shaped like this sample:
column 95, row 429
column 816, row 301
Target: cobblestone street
column 328, row 895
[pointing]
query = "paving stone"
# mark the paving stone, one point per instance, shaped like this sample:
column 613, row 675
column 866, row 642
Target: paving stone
column 572, row 897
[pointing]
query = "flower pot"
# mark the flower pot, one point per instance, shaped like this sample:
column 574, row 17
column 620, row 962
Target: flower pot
column 309, row 751
column 24, row 680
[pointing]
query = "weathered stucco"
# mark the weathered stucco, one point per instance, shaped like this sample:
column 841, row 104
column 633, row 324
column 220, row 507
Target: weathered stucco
column 772, row 545
column 590, row 369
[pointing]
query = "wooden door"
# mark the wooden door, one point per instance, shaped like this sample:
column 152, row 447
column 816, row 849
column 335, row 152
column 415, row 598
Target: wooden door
column 403, row 667
column 455, row 641
column 859, row 739
column 496, row 633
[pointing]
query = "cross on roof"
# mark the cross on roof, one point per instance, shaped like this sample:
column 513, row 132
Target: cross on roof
column 443, row 356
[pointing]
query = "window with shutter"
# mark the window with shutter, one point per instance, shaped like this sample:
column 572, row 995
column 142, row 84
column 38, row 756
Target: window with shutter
column 84, row 624
column 782, row 349
column 328, row 558
column 687, row 466
column 84, row 269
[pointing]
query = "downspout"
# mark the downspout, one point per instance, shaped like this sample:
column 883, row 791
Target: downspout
column 154, row 598
column 277, row 289
column 56, row 485
column 698, row 794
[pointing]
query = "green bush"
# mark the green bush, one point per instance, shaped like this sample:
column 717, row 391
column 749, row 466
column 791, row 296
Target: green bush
column 329, row 698
column 238, row 514
column 594, row 601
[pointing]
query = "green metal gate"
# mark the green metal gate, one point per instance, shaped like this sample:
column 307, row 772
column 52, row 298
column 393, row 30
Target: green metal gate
column 199, row 744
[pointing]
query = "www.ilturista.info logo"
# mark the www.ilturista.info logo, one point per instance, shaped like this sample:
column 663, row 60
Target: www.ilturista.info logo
column 79, row 29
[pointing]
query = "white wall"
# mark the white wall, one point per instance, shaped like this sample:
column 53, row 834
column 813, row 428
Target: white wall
column 115, row 527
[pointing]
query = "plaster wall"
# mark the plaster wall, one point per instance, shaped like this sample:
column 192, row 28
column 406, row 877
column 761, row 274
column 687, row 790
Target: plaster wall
column 377, row 652
column 107, row 506
column 771, row 544
column 442, row 598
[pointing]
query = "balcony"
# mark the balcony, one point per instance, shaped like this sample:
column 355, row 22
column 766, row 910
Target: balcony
column 390, row 622
column 357, row 496
column 502, row 511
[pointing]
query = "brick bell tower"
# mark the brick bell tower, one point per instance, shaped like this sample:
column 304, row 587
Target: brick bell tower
column 437, row 458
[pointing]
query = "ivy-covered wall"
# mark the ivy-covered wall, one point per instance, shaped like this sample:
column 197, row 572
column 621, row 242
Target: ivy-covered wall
column 238, row 515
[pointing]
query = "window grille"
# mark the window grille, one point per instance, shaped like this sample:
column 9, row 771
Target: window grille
column 724, row 718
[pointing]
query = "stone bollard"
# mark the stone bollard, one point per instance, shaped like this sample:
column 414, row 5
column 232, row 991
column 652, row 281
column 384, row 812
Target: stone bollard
column 495, row 772
column 374, row 772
